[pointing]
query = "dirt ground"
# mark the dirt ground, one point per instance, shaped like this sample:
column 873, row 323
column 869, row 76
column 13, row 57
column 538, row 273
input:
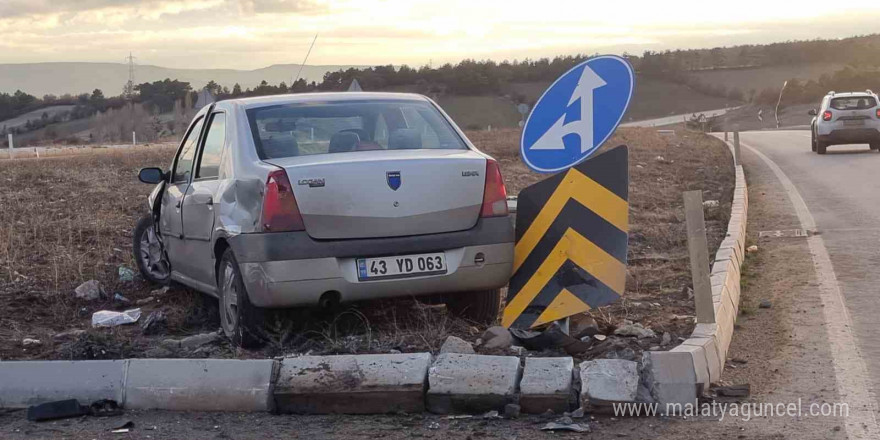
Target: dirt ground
column 73, row 217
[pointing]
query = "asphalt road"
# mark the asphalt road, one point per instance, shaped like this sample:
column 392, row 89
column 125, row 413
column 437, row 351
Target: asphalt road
column 840, row 194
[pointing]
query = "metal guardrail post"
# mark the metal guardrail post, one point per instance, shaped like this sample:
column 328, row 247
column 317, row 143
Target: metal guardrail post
column 698, row 248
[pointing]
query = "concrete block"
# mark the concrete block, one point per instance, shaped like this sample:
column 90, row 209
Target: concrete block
column 546, row 384
column 25, row 383
column 701, row 366
column 472, row 383
column 673, row 380
column 713, row 362
column 199, row 384
column 353, row 384
column 606, row 381
column 704, row 330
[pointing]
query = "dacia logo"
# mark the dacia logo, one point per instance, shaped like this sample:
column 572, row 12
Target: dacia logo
column 470, row 173
column 312, row 183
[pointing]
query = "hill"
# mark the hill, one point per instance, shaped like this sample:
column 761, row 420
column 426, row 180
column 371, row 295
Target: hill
column 39, row 79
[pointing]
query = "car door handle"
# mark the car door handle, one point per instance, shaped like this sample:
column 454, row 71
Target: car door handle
column 203, row 200
column 177, row 205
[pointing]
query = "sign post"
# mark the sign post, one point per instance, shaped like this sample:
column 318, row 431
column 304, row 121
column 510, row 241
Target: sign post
column 9, row 136
column 572, row 228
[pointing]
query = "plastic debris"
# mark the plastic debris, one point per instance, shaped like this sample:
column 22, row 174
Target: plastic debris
column 119, row 298
column 109, row 318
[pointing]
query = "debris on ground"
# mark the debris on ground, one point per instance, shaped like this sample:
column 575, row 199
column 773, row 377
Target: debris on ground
column 60, row 409
column 511, row 411
column 144, row 301
column 582, row 325
column 517, row 350
column 752, row 248
column 600, row 337
column 710, row 204
column 159, row 292
column 90, row 290
column 554, row 336
column 565, row 424
column 634, row 329
column 125, row 274
column 30, row 341
column 199, row 340
column 765, row 304
column 491, row 415
column 72, row 333
column 454, row 344
column 496, row 337
column 578, row 413
column 109, row 318
column 155, row 323
column 117, row 297
column 666, row 339
column 742, row 390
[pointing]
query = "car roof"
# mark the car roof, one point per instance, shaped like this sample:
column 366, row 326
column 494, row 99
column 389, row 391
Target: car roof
column 295, row 98
column 851, row 94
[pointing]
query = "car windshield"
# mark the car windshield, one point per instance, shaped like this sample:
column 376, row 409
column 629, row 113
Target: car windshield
column 853, row 103
column 303, row 129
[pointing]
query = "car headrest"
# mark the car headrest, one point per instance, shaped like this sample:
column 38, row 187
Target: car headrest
column 343, row 141
column 362, row 134
column 274, row 148
column 405, row 139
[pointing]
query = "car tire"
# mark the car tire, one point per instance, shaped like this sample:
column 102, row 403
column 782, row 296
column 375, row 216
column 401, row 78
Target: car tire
column 821, row 147
column 875, row 145
column 149, row 253
column 241, row 321
column 813, row 141
column 480, row 306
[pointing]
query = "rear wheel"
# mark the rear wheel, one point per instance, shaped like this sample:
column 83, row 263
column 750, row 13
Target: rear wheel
column 149, row 254
column 875, row 145
column 813, row 141
column 821, row 147
column 481, row 306
column 241, row 321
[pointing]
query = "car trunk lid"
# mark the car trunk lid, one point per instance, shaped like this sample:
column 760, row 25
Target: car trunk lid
column 387, row 193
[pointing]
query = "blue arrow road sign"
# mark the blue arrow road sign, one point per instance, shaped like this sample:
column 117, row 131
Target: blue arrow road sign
column 577, row 114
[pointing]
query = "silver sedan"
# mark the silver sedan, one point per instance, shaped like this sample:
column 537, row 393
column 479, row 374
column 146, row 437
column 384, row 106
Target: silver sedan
column 316, row 199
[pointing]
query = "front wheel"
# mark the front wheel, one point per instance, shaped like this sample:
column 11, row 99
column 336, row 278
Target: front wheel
column 875, row 146
column 149, row 253
column 481, row 306
column 242, row 322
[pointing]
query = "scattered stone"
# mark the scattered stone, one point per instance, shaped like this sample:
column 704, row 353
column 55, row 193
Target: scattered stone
column 606, row 381
column 72, row 333
column 578, row 413
column 394, row 351
column 655, row 348
column 516, row 350
column 89, row 290
column 752, row 248
column 125, row 274
column 170, row 343
column 454, row 344
column 492, row 414
column 155, row 323
column 548, row 414
column 199, row 340
column 600, row 337
column 739, row 361
column 742, row 390
column 765, row 304
column 497, row 337
column 560, row 425
column 666, row 339
column 158, row 353
column 511, row 411
column 583, row 325
column 710, row 204
column 117, row 297
column 625, row 353
column 634, row 329
column 144, row 301
column 27, row 342
column 159, row 292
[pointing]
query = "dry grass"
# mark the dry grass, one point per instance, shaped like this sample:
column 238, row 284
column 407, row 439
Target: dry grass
column 66, row 220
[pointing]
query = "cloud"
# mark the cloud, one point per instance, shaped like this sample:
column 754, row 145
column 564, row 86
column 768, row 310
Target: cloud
column 281, row 6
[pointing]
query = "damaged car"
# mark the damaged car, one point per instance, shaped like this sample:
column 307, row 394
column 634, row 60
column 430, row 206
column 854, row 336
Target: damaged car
column 317, row 199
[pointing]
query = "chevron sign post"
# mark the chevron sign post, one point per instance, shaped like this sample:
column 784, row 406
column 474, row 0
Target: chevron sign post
column 571, row 242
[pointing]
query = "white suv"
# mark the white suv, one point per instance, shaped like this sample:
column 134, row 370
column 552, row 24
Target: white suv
column 846, row 118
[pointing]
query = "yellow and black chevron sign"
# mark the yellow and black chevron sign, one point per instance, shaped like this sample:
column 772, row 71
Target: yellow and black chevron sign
column 571, row 239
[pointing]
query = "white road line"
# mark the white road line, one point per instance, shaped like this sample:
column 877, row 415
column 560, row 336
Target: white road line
column 853, row 382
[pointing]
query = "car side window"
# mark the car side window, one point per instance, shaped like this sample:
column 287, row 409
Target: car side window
column 184, row 162
column 209, row 160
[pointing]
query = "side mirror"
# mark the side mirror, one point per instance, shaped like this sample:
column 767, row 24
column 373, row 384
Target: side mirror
column 151, row 175
column 812, row 112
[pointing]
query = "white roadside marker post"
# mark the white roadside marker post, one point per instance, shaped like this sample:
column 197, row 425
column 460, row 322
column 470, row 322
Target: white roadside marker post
column 736, row 148
column 133, row 138
column 9, row 136
column 698, row 248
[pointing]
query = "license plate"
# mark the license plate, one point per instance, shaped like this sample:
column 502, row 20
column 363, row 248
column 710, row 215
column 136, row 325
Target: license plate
column 854, row 122
column 403, row 266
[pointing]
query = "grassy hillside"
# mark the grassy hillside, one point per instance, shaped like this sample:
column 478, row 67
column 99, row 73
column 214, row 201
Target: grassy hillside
column 760, row 78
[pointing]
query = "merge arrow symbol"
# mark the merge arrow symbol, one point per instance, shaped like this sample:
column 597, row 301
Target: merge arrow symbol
column 552, row 138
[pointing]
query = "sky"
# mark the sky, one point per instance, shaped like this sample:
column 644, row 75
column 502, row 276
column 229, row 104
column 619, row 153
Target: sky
column 249, row 34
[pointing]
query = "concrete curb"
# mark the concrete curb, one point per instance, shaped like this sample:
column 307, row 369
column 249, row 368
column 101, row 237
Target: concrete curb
column 708, row 344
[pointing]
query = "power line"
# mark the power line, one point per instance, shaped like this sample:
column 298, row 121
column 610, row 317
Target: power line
column 304, row 61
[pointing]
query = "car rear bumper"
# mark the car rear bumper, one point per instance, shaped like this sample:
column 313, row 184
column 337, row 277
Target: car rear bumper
column 292, row 269
column 851, row 136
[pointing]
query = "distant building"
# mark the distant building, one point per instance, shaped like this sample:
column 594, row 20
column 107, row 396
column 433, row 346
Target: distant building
column 205, row 98
column 355, row 86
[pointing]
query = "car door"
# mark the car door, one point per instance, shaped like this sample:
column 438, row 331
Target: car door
column 198, row 202
column 170, row 220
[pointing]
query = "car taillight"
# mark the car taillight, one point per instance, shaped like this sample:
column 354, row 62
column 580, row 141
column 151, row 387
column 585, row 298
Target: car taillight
column 826, row 116
column 280, row 212
column 878, row 113
column 494, row 193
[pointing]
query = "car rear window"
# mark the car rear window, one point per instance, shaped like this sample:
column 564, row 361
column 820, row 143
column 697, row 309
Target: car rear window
column 309, row 128
column 853, row 103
